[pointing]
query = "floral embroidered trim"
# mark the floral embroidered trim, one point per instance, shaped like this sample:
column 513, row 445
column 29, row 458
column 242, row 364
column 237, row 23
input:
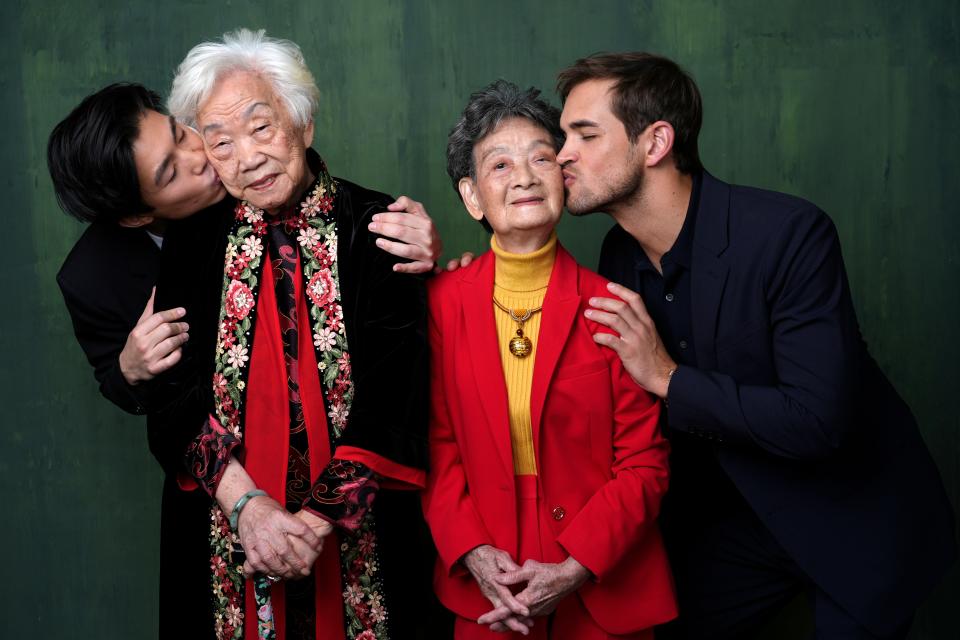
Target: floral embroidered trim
column 227, row 577
column 365, row 613
column 364, row 608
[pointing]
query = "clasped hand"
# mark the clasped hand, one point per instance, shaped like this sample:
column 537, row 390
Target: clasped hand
column 277, row 542
column 546, row 584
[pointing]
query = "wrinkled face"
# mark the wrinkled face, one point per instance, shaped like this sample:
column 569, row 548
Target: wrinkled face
column 176, row 179
column 252, row 142
column 600, row 165
column 519, row 187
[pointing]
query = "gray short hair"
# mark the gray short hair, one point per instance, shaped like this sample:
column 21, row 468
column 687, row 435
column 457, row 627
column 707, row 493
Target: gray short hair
column 280, row 62
column 485, row 110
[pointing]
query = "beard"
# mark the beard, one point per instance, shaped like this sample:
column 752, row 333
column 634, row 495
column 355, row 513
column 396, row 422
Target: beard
column 615, row 188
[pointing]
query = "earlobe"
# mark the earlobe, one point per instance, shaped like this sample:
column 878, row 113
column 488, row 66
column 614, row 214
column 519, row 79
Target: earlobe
column 135, row 222
column 468, row 192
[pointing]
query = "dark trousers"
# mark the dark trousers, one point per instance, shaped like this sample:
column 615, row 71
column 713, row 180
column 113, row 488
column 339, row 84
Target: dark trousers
column 732, row 576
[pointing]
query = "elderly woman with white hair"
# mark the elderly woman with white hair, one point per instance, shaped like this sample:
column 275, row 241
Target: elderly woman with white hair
column 309, row 360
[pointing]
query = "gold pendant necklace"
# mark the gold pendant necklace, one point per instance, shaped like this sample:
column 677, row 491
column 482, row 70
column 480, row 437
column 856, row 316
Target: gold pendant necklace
column 520, row 345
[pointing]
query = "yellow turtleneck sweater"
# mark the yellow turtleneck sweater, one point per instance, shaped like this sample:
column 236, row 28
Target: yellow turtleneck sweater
column 520, row 282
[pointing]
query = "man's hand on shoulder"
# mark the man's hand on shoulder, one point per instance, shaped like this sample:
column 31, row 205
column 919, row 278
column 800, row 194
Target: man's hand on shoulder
column 154, row 345
column 413, row 235
column 638, row 344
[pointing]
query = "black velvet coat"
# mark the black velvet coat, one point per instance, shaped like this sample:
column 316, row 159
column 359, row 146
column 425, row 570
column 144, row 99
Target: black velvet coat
column 384, row 314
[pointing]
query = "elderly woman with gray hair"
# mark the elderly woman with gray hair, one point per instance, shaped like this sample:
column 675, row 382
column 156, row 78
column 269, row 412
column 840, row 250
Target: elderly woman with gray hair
column 307, row 366
column 547, row 465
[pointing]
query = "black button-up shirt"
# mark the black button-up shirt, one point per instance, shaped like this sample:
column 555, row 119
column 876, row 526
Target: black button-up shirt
column 666, row 295
column 697, row 480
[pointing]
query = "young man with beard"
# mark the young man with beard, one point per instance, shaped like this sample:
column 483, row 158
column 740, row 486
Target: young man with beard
column 118, row 162
column 795, row 466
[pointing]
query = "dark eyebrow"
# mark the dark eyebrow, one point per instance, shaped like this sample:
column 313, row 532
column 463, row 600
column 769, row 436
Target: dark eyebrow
column 166, row 161
column 582, row 124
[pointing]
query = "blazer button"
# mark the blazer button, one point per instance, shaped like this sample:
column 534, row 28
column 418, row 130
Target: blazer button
column 558, row 513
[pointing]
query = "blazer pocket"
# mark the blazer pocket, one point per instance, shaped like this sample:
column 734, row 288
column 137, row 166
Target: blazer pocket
column 581, row 369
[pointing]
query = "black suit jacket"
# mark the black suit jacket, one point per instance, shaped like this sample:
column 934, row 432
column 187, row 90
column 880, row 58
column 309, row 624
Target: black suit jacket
column 804, row 422
column 106, row 281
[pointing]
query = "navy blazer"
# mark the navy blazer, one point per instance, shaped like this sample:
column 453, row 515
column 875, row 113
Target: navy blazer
column 805, row 423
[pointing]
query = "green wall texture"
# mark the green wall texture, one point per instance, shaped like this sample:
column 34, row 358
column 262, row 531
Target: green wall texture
column 852, row 105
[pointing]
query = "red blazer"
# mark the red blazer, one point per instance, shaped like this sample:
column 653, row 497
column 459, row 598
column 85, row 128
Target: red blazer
column 601, row 460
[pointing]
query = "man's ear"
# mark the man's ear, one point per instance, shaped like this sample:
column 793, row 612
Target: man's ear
column 659, row 138
column 468, row 191
column 136, row 221
column 308, row 135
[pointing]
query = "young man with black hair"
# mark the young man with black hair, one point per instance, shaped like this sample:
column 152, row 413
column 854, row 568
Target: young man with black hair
column 96, row 158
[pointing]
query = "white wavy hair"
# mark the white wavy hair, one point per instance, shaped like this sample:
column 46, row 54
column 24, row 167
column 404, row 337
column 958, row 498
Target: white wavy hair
column 280, row 62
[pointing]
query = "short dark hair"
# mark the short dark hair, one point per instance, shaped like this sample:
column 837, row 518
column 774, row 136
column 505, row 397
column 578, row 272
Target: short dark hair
column 648, row 88
column 485, row 110
column 90, row 154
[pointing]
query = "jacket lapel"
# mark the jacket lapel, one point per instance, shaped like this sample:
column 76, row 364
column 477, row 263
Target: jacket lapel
column 480, row 333
column 709, row 271
column 559, row 312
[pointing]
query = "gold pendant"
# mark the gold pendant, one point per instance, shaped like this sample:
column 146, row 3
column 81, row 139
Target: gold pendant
column 520, row 345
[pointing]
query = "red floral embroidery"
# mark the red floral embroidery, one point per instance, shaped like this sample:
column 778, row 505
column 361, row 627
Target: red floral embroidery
column 367, row 635
column 239, row 300
column 322, row 289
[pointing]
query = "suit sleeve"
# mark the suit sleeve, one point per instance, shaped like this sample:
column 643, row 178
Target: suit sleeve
column 449, row 510
column 816, row 349
column 102, row 336
column 624, row 509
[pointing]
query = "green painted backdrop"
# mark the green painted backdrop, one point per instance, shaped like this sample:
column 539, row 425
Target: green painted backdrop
column 853, row 105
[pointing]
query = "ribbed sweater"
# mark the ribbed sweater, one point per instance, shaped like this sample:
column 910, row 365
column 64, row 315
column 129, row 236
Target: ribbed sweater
column 520, row 282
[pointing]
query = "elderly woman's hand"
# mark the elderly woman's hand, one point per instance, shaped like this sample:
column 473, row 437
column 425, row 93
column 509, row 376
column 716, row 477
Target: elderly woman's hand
column 413, row 235
column 276, row 542
column 547, row 584
column 486, row 563
column 320, row 527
